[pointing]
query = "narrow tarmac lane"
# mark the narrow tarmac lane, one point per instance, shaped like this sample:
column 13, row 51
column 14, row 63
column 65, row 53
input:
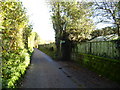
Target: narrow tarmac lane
column 45, row 73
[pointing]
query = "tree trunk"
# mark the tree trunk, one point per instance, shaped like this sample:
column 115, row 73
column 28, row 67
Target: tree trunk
column 66, row 50
column 66, row 47
column 58, row 47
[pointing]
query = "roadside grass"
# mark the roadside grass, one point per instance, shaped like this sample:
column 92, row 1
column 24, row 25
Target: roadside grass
column 50, row 51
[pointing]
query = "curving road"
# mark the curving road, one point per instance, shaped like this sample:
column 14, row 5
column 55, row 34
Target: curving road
column 45, row 73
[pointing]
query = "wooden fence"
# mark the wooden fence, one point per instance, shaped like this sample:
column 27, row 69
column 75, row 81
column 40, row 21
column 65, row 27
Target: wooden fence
column 108, row 49
column 102, row 57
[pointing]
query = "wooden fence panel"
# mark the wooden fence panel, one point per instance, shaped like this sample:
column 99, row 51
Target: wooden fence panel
column 104, row 49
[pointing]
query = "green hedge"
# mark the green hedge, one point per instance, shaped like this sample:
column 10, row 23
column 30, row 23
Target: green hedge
column 14, row 33
column 14, row 68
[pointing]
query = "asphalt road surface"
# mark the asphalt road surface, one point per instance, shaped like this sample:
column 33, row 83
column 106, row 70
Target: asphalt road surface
column 45, row 73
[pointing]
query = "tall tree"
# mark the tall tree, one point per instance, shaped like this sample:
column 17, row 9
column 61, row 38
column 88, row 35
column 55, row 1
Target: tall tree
column 26, row 34
column 37, row 40
column 56, row 20
column 71, row 21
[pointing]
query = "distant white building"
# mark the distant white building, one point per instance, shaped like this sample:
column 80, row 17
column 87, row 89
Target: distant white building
column 105, row 38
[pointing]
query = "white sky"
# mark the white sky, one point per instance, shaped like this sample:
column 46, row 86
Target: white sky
column 40, row 18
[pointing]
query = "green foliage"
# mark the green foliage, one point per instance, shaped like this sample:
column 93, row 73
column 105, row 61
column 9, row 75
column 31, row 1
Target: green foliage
column 13, row 67
column 72, row 18
column 37, row 40
column 71, row 22
column 33, row 41
column 104, row 31
column 15, row 32
column 26, row 33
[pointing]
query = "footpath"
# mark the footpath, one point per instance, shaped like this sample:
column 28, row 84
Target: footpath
column 46, row 73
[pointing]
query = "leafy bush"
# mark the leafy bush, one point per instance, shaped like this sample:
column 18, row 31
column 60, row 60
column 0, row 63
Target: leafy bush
column 14, row 32
column 13, row 67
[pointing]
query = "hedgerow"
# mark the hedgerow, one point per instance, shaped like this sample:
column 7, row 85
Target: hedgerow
column 14, row 31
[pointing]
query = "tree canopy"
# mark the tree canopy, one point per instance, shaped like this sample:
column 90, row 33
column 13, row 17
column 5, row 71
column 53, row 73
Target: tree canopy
column 72, row 18
column 71, row 21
